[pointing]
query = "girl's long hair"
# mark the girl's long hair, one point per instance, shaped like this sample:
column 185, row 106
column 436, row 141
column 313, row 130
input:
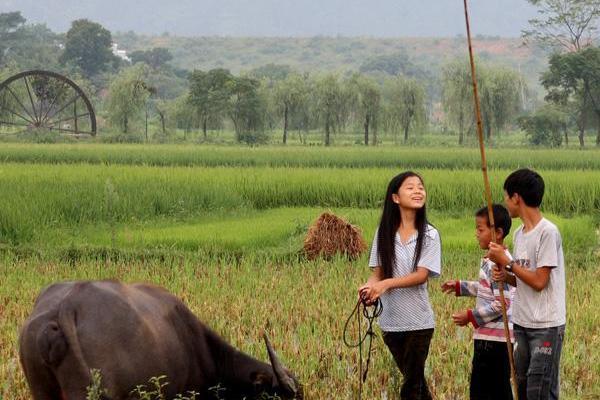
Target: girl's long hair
column 390, row 222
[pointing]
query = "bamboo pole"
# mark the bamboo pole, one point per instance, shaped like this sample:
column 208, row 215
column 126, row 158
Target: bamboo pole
column 488, row 196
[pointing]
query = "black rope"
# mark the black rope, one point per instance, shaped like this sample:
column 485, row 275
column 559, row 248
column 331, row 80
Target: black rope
column 370, row 317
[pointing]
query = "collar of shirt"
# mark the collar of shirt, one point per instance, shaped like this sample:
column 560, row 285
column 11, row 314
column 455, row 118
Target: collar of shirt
column 413, row 237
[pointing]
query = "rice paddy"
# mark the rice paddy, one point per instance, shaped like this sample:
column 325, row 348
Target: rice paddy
column 223, row 229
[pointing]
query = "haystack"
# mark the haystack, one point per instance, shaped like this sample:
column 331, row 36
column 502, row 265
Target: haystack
column 330, row 235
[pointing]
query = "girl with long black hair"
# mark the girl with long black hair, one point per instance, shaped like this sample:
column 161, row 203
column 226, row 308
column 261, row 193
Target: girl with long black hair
column 406, row 251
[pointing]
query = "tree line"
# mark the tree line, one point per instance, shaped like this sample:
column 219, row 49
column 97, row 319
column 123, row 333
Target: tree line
column 277, row 98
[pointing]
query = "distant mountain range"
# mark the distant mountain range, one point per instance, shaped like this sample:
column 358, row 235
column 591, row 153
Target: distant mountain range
column 426, row 56
column 283, row 18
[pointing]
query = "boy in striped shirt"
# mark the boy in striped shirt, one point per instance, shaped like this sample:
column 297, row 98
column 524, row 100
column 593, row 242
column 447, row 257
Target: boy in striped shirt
column 490, row 374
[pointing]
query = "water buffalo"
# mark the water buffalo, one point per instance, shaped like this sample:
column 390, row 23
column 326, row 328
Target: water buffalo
column 131, row 333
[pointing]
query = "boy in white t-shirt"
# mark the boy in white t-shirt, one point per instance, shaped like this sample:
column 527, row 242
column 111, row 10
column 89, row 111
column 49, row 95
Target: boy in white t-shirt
column 537, row 271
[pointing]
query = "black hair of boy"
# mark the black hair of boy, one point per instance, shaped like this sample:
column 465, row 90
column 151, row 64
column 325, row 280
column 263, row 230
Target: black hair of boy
column 502, row 219
column 526, row 183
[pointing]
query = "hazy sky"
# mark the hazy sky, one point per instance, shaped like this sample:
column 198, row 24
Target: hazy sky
column 379, row 18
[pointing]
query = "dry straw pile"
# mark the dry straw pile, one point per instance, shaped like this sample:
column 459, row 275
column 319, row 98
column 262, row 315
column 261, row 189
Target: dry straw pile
column 330, row 235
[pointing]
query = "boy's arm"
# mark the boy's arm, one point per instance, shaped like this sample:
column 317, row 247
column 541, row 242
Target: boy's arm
column 537, row 279
column 501, row 275
column 460, row 288
column 467, row 288
column 511, row 279
column 501, row 257
column 491, row 311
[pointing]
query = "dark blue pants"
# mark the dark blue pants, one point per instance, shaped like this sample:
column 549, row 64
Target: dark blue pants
column 537, row 361
column 490, row 376
column 410, row 350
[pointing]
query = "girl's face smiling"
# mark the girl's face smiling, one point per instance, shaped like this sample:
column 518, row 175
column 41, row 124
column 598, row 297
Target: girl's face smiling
column 411, row 193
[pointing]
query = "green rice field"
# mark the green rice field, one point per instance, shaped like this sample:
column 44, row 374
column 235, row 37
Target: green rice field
column 223, row 228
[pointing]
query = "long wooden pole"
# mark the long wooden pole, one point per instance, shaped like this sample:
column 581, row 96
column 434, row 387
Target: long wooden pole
column 488, row 196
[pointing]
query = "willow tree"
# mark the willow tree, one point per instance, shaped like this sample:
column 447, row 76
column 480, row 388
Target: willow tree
column 367, row 104
column 329, row 103
column 500, row 98
column 209, row 94
column 128, row 95
column 499, row 90
column 457, row 97
column 406, row 104
column 290, row 96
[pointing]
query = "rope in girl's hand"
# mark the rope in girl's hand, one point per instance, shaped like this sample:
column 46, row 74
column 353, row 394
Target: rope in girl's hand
column 370, row 317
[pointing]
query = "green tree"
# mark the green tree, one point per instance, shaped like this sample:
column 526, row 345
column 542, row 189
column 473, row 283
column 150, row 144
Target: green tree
column 302, row 119
column 290, row 96
column 545, row 127
column 457, row 97
column 183, row 113
column 567, row 24
column 392, row 64
column 88, row 45
column 573, row 81
column 329, row 103
column 10, row 24
column 348, row 98
column 210, row 93
column 499, row 97
column 589, row 66
column 272, row 72
column 156, row 58
column 162, row 108
column 367, row 104
column 406, row 104
column 35, row 45
column 128, row 95
column 27, row 45
column 246, row 110
column 7, row 100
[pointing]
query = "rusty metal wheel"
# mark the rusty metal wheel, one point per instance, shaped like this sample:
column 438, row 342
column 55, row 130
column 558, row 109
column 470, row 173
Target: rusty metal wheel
column 44, row 101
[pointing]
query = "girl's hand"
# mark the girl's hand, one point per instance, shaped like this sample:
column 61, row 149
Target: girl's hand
column 361, row 295
column 461, row 318
column 449, row 287
column 371, row 292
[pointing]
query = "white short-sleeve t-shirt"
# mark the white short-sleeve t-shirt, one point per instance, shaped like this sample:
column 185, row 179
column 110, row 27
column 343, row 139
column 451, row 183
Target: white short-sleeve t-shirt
column 540, row 247
column 408, row 309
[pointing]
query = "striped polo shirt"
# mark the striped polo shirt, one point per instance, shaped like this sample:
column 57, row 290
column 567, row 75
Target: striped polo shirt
column 408, row 309
column 486, row 316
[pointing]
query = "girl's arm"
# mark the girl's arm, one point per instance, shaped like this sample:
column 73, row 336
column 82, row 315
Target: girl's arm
column 415, row 278
column 376, row 286
column 364, row 292
column 376, row 276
